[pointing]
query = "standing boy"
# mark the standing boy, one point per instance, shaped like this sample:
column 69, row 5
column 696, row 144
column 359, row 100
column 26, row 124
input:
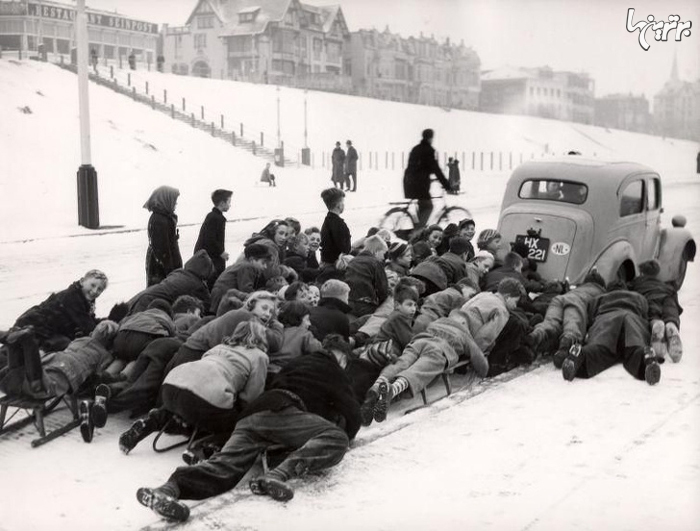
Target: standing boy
column 351, row 167
column 335, row 234
column 213, row 233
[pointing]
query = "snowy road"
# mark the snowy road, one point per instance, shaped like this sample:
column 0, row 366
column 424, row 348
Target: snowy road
column 536, row 453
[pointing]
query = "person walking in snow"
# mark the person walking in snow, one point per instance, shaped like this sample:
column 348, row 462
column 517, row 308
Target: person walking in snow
column 338, row 162
column 163, row 254
column 351, row 167
column 454, row 176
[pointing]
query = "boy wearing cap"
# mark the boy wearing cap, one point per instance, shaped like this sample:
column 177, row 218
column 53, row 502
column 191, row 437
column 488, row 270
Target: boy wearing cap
column 212, row 234
column 453, row 262
column 245, row 276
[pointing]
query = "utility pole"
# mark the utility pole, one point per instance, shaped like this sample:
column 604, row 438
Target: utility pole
column 306, row 92
column 88, row 205
column 279, row 137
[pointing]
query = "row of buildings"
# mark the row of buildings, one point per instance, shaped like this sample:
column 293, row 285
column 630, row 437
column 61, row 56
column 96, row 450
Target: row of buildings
column 290, row 43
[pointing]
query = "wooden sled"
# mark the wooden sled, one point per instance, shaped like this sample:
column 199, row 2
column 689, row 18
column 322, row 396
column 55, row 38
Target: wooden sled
column 35, row 411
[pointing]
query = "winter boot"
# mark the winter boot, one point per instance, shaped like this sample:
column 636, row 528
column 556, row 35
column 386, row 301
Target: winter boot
column 657, row 337
column 139, row 430
column 565, row 344
column 383, row 400
column 272, row 487
column 163, row 503
column 368, row 406
column 87, row 428
column 652, row 371
column 99, row 406
column 675, row 346
column 572, row 363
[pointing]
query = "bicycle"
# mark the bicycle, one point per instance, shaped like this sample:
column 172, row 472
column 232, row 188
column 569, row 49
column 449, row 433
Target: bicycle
column 402, row 220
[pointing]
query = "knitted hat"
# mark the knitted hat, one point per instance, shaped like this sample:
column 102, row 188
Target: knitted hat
column 421, row 250
column 396, row 250
column 650, row 268
column 161, row 304
column 483, row 255
column 431, row 272
column 465, row 222
column 510, row 287
column 459, row 245
column 486, row 236
column 255, row 251
column 334, row 289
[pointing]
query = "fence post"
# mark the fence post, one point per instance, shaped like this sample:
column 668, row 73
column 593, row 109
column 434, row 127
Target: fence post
column 233, row 138
column 212, row 129
column 510, row 160
column 172, row 111
column 133, row 92
column 403, row 160
column 481, row 159
column 491, row 160
column 128, row 79
column 473, row 160
column 192, row 119
column 521, row 157
column 146, row 88
column 202, row 107
column 464, row 161
column 500, row 161
column 153, row 101
column 392, row 160
column 111, row 70
column 222, row 121
column 254, row 152
column 359, row 161
column 165, row 96
column 184, row 108
column 241, row 129
column 262, row 139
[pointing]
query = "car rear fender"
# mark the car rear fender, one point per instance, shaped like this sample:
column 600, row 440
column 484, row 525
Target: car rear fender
column 675, row 244
column 608, row 262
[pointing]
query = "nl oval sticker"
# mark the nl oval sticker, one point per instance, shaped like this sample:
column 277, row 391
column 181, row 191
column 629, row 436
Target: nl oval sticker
column 561, row 248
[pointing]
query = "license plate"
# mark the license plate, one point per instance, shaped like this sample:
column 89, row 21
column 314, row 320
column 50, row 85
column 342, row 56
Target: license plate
column 538, row 248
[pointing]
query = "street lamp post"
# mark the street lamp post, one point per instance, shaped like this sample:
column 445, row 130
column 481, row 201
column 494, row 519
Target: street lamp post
column 88, row 205
column 305, row 132
column 279, row 138
column 305, row 151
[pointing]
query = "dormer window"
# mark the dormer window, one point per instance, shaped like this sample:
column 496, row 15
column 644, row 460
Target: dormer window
column 248, row 15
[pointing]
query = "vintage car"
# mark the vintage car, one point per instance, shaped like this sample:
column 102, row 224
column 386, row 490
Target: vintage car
column 575, row 213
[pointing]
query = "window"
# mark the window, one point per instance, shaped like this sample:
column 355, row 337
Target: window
column 318, row 46
column 550, row 190
column 205, row 22
column 653, row 194
column 631, row 199
column 200, row 41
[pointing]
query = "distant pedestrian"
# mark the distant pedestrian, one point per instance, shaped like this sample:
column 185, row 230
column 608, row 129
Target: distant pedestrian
column 351, row 167
column 338, row 162
column 453, row 175
column 698, row 162
column 93, row 58
column 268, row 177
column 163, row 254
column 132, row 60
column 213, row 233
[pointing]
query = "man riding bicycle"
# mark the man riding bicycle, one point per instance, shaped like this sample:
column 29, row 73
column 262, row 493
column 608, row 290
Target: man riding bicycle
column 416, row 180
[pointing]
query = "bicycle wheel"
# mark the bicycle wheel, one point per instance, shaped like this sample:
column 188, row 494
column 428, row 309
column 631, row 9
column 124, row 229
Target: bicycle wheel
column 398, row 221
column 454, row 215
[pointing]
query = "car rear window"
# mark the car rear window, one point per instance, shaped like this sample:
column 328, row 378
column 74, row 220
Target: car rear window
column 553, row 190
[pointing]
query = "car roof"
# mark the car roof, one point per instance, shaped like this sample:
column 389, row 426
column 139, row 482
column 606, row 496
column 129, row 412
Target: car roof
column 604, row 173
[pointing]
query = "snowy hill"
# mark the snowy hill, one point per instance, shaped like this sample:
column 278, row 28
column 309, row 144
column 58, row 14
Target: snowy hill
column 136, row 149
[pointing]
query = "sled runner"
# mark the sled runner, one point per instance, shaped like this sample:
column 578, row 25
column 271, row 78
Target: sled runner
column 35, row 411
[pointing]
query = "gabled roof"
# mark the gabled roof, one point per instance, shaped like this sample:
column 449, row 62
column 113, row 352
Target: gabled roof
column 269, row 11
column 212, row 4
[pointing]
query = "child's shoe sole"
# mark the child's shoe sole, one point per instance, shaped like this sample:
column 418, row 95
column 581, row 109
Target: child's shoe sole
column 367, row 407
column 87, row 428
column 163, row 504
column 99, row 406
column 675, row 348
column 274, row 488
column 652, row 373
column 382, row 405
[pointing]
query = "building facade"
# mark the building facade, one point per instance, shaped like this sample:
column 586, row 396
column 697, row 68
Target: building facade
column 275, row 41
column 677, row 108
column 415, row 69
column 25, row 25
column 623, row 111
column 541, row 92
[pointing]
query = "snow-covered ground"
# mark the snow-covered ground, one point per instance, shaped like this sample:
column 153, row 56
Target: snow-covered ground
column 534, row 453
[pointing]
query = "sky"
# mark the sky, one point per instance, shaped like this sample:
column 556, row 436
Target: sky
column 574, row 35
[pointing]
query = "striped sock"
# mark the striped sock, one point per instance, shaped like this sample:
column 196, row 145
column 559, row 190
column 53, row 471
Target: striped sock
column 399, row 386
